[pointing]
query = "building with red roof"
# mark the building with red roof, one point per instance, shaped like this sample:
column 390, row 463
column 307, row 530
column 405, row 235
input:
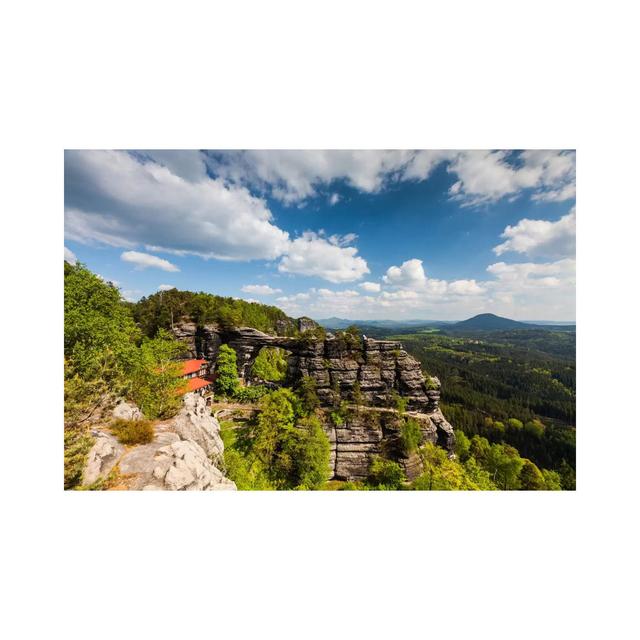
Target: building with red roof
column 195, row 373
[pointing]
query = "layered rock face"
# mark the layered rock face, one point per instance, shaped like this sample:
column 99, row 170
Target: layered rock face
column 183, row 455
column 381, row 367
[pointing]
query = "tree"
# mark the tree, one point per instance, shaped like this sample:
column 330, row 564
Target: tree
column 440, row 473
column 270, row 365
column 157, row 387
column 410, row 436
column 385, row 474
column 314, row 454
column 276, row 441
column 531, row 478
column 463, row 445
column 552, row 481
column 227, row 381
column 307, row 391
column 357, row 396
column 504, row 464
column 535, row 428
column 479, row 448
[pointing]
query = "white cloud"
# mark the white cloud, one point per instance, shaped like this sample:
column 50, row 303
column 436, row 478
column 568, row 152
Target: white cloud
column 146, row 260
column 114, row 198
column 260, row 289
column 488, row 176
column 481, row 176
column 69, row 256
column 166, row 287
column 465, row 288
column 334, row 198
column 314, row 255
column 370, row 287
column 131, row 295
column 541, row 237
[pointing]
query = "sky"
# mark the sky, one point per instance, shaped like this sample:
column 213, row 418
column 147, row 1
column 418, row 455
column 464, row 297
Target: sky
column 396, row 234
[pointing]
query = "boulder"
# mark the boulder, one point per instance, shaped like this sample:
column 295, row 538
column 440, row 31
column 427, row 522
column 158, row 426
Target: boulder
column 195, row 422
column 126, row 411
column 102, row 457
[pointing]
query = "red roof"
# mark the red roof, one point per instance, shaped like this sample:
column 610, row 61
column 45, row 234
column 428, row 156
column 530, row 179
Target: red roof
column 193, row 384
column 191, row 366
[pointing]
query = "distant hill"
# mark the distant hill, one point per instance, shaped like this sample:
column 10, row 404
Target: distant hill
column 342, row 323
column 490, row 322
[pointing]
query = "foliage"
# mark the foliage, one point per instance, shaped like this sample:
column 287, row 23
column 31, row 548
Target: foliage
column 227, row 380
column 310, row 336
column 410, row 436
column 340, row 415
column 357, row 396
column 531, row 478
column 431, row 384
column 552, row 481
column 133, row 431
column 308, row 394
column 250, row 394
column 463, row 446
column 313, row 459
column 385, row 474
column 77, row 444
column 161, row 310
column 398, row 403
column 504, row 464
column 270, row 365
column 350, row 339
column 157, row 387
column 241, row 465
column 440, row 473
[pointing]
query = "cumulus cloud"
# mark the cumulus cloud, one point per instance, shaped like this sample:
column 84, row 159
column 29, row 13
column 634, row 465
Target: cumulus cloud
column 260, row 289
column 292, row 176
column 370, row 287
column 314, row 255
column 334, row 198
column 465, row 288
column 488, row 176
column 541, row 237
column 69, row 256
column 127, row 200
column 146, row 260
column 166, row 287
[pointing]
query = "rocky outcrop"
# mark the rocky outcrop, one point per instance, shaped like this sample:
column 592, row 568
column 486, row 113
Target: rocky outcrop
column 183, row 455
column 379, row 366
column 368, row 432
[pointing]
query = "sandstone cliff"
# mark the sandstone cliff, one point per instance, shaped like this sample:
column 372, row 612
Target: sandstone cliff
column 381, row 367
column 183, row 455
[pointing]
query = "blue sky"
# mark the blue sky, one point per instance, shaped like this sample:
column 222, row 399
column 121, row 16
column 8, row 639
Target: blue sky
column 355, row 234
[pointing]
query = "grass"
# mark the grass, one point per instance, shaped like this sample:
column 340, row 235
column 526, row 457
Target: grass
column 133, row 431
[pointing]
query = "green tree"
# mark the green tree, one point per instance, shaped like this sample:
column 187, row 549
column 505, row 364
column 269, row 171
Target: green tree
column 515, row 424
column 357, row 396
column 463, row 446
column 552, row 481
column 307, row 391
column 385, row 474
column 227, row 381
column 568, row 476
column 157, row 387
column 531, row 478
column 276, row 441
column 314, row 454
column 440, row 473
column 504, row 464
column 535, row 428
column 410, row 436
column 479, row 448
column 270, row 365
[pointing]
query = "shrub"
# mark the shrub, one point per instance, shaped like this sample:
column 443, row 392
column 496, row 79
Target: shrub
column 133, row 431
column 77, row 444
column 308, row 394
column 385, row 474
column 410, row 436
column 250, row 394
column 432, row 385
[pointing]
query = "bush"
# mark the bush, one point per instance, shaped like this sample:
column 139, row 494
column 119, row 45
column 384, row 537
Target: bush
column 385, row 474
column 250, row 394
column 133, row 431
column 410, row 436
column 308, row 394
column 314, row 455
column 77, row 444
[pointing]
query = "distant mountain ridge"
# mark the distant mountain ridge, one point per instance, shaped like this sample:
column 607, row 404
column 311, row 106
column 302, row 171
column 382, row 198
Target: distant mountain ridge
column 490, row 321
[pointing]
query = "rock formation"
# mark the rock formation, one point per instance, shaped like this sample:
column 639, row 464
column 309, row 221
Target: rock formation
column 381, row 367
column 182, row 456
